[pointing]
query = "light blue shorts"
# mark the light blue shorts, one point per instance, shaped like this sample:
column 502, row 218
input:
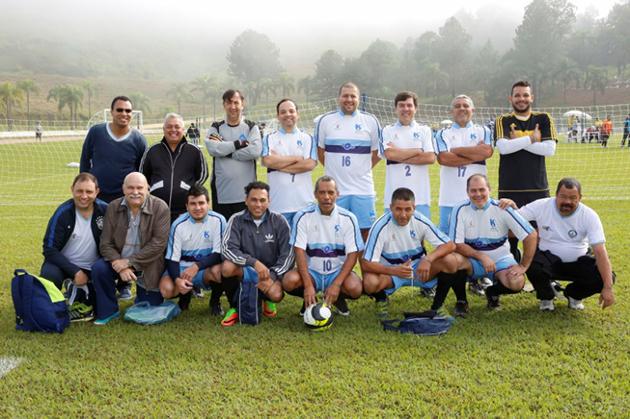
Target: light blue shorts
column 362, row 206
column 197, row 280
column 323, row 281
column 445, row 216
column 406, row 282
column 502, row 264
column 422, row 209
column 289, row 217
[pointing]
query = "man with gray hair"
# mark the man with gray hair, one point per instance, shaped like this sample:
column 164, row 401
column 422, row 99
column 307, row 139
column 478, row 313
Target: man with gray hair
column 173, row 166
column 135, row 232
column 462, row 150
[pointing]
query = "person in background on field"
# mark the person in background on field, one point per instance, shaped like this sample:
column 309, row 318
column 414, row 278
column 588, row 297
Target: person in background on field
column 71, row 245
column 39, row 131
column 607, row 129
column 290, row 156
column 626, row 131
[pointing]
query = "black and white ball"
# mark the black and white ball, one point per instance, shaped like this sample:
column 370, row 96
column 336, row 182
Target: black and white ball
column 318, row 317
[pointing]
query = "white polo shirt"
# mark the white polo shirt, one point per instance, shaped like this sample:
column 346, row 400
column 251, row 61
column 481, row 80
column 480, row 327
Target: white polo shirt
column 289, row 192
column 566, row 237
column 326, row 239
column 391, row 244
column 453, row 179
column 348, row 142
column 190, row 241
column 486, row 229
column 412, row 176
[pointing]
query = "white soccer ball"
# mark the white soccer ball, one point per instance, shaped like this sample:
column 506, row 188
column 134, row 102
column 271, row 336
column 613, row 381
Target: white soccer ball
column 318, row 317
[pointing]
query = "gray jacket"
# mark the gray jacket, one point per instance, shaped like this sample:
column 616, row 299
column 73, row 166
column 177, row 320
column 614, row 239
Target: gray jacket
column 244, row 243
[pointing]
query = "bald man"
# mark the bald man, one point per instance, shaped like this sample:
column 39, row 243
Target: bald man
column 135, row 233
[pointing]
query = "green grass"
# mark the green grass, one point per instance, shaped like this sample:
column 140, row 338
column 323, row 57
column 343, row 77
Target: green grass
column 515, row 362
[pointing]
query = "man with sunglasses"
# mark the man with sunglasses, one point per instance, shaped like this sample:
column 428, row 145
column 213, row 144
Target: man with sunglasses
column 111, row 151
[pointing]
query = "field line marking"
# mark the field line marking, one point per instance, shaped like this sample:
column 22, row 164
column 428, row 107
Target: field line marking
column 7, row 364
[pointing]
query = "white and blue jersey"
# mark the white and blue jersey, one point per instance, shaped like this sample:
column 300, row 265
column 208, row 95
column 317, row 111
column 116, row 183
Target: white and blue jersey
column 348, row 142
column 453, row 179
column 289, row 192
column 411, row 176
column 486, row 229
column 326, row 239
column 190, row 241
column 391, row 244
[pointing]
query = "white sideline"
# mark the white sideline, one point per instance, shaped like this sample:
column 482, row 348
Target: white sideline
column 7, row 364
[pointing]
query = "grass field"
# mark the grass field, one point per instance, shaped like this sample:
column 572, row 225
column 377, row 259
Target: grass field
column 516, row 362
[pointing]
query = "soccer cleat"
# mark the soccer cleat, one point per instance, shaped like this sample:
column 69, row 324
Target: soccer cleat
column 302, row 310
column 342, row 306
column 476, row 288
column 215, row 308
column 80, row 312
column 184, row 301
column 197, row 292
column 461, row 308
column 546, row 305
column 230, row 319
column 493, row 302
column 427, row 292
column 575, row 304
column 382, row 311
column 103, row 322
column 557, row 289
column 485, row 282
column 270, row 309
column 125, row 293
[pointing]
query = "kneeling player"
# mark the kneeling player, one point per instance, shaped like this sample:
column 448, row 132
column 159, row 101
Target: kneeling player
column 395, row 257
column 479, row 228
column 326, row 240
column 193, row 254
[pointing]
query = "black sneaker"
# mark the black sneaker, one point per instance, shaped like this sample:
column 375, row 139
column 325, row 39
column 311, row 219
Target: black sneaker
column 184, row 301
column 302, row 310
column 427, row 292
column 197, row 292
column 215, row 308
column 493, row 301
column 461, row 308
column 342, row 306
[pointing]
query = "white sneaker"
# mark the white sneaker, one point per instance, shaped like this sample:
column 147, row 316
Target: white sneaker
column 575, row 304
column 546, row 305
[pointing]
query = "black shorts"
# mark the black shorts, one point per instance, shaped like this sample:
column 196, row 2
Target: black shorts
column 525, row 197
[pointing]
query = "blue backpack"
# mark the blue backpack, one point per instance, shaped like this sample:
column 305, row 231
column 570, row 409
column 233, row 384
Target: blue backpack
column 249, row 303
column 39, row 305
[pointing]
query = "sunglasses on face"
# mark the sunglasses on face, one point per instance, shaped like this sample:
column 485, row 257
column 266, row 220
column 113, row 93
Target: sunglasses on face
column 121, row 110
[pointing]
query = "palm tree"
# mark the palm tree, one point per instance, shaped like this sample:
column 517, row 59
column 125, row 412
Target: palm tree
column 286, row 84
column 91, row 89
column 11, row 96
column 69, row 96
column 28, row 86
column 179, row 93
column 208, row 88
column 140, row 101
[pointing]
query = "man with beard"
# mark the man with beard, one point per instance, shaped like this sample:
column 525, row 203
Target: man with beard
column 524, row 138
column 567, row 228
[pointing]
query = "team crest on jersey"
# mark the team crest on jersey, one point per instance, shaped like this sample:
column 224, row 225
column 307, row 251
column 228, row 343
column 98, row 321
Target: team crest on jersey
column 413, row 234
column 357, row 127
column 337, row 229
column 572, row 233
column 299, row 143
column 473, row 136
column 348, row 146
column 269, row 238
column 242, row 137
column 493, row 224
column 206, row 235
column 416, row 135
column 99, row 222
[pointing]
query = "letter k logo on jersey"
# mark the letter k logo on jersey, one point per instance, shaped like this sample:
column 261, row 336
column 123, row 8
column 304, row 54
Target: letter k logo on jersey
column 357, row 127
